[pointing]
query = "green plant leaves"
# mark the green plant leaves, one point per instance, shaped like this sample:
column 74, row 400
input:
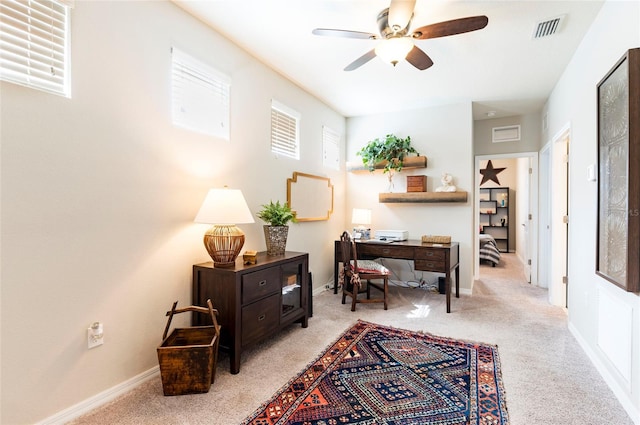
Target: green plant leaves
column 276, row 214
column 391, row 149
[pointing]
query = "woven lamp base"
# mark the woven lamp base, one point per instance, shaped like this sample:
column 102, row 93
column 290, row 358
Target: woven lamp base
column 223, row 243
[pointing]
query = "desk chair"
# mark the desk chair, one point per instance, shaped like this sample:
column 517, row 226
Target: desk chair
column 356, row 275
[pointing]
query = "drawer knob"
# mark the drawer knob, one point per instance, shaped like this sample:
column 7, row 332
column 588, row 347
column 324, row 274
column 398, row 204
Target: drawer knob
column 429, row 254
column 262, row 282
column 261, row 317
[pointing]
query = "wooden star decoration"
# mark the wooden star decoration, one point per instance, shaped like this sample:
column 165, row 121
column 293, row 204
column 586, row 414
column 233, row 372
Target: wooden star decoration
column 490, row 173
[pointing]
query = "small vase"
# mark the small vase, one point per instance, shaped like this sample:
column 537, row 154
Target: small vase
column 276, row 239
column 390, row 187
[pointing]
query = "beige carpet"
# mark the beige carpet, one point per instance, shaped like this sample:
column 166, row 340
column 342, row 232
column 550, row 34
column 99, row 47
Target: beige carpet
column 548, row 379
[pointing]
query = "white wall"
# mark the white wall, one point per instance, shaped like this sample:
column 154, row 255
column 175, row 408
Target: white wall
column 444, row 136
column 592, row 300
column 99, row 192
column 530, row 128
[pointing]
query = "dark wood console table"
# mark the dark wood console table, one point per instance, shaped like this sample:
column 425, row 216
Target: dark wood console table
column 439, row 258
column 253, row 301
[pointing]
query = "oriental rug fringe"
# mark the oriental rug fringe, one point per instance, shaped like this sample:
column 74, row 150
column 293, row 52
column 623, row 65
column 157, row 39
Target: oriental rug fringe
column 378, row 375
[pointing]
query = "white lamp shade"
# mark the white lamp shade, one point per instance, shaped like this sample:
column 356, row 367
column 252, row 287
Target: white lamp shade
column 393, row 50
column 224, row 206
column 361, row 216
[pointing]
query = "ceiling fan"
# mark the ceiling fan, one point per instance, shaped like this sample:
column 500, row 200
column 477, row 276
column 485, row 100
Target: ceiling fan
column 397, row 42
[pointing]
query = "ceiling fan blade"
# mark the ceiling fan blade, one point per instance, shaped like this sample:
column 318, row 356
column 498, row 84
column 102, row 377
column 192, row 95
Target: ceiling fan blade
column 400, row 13
column 361, row 60
column 344, row 33
column 455, row 26
column 419, row 59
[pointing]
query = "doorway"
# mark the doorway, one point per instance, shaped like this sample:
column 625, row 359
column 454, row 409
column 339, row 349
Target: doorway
column 525, row 217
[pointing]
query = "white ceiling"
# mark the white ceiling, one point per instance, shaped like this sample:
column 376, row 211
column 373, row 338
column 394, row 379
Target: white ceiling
column 500, row 68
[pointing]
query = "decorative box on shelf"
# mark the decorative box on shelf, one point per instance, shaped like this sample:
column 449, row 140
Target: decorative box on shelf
column 249, row 257
column 416, row 183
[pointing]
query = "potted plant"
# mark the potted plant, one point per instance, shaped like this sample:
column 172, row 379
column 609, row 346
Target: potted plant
column 390, row 151
column 277, row 216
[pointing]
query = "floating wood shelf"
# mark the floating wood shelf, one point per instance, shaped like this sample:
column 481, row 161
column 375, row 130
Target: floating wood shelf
column 409, row 162
column 431, row 197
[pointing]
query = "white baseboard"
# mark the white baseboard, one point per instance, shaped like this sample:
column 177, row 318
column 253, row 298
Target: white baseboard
column 618, row 391
column 100, row 399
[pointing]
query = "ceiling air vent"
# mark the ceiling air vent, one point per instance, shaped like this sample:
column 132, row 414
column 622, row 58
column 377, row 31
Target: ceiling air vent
column 548, row 27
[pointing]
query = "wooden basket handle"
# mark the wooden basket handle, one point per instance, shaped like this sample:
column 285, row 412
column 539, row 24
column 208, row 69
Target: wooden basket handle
column 210, row 310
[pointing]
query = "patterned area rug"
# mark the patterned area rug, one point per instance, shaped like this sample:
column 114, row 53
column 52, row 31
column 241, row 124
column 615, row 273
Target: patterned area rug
column 378, row 375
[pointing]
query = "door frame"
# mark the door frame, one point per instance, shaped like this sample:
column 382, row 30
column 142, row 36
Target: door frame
column 533, row 210
column 559, row 206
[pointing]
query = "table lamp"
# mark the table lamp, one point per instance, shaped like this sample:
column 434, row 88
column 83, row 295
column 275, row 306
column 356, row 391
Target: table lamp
column 362, row 219
column 224, row 208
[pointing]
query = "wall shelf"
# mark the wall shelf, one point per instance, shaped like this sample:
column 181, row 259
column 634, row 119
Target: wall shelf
column 409, row 162
column 427, row 197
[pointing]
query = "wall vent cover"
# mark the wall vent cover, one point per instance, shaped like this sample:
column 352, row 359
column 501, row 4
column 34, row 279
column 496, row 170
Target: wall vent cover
column 548, row 27
column 510, row 133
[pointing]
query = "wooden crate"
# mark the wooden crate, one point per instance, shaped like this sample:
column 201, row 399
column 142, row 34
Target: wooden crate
column 416, row 183
column 188, row 356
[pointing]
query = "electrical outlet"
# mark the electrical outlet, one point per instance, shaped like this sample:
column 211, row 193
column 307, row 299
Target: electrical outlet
column 95, row 335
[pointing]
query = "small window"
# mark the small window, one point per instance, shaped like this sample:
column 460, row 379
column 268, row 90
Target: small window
column 330, row 148
column 34, row 36
column 200, row 96
column 284, row 130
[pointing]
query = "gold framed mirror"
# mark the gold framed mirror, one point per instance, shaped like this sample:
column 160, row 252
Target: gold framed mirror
column 310, row 197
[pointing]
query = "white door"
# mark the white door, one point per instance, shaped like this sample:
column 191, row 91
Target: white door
column 559, row 219
column 544, row 211
column 523, row 216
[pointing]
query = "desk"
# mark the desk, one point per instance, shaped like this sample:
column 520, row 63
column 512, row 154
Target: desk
column 426, row 257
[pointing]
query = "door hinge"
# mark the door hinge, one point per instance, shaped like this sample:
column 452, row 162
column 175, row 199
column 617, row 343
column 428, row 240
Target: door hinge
column 530, row 216
column 530, row 170
column 565, row 279
column 528, row 262
column 565, row 219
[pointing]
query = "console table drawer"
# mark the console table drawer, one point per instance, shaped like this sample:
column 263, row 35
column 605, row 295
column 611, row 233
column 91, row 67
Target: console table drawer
column 259, row 284
column 381, row 250
column 260, row 318
column 430, row 254
column 430, row 265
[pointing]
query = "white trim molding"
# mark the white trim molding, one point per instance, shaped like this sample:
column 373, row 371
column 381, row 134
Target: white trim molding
column 100, row 399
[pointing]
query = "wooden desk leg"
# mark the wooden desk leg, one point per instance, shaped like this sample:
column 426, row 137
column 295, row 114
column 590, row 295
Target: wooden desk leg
column 335, row 273
column 447, row 289
column 457, row 273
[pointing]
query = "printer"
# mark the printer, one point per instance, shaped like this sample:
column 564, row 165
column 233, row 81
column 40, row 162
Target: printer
column 392, row 235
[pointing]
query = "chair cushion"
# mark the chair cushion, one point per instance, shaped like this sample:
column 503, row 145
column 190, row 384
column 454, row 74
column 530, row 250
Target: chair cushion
column 370, row 266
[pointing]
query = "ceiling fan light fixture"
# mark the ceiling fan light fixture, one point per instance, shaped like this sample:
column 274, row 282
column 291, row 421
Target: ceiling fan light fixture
column 393, row 50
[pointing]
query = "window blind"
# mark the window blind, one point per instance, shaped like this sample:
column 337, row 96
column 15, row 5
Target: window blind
column 330, row 148
column 200, row 96
column 284, row 130
column 34, row 44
